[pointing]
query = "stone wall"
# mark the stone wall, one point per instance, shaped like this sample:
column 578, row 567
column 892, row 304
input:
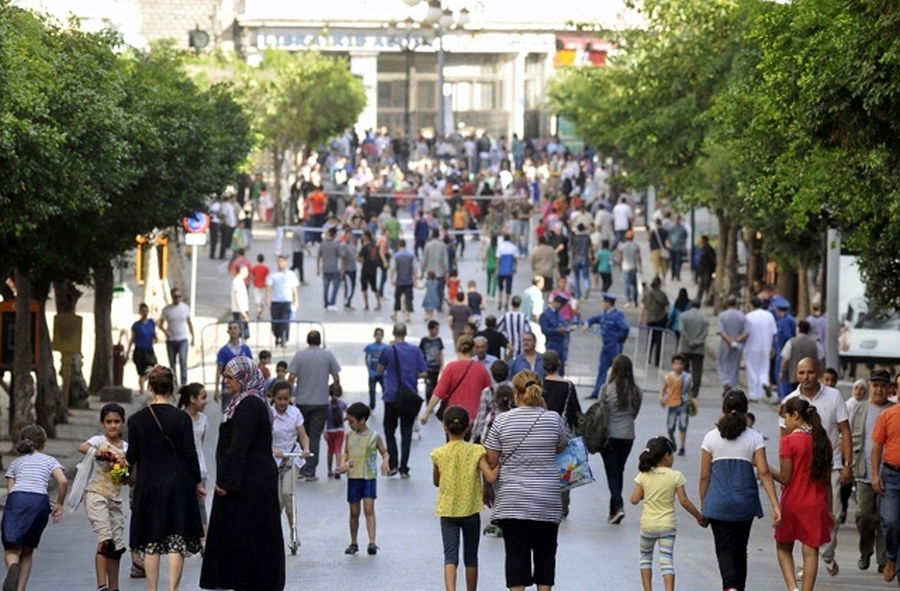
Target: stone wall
column 174, row 19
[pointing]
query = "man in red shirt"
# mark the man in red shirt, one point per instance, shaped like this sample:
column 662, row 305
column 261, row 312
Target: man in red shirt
column 318, row 207
column 259, row 272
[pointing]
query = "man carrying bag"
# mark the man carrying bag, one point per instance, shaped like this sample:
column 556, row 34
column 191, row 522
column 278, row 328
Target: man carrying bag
column 401, row 364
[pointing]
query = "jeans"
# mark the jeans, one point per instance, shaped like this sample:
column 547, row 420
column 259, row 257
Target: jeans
column 607, row 354
column 332, row 281
column 675, row 263
column 868, row 524
column 582, row 269
column 615, row 455
column 314, row 416
column 372, row 381
column 281, row 321
column 384, row 275
column 731, row 539
column 695, row 367
column 470, row 528
column 179, row 349
column 391, row 419
column 349, row 287
column 631, row 290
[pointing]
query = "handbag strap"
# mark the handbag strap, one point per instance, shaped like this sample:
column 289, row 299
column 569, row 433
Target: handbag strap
column 158, row 424
column 524, row 437
column 460, row 381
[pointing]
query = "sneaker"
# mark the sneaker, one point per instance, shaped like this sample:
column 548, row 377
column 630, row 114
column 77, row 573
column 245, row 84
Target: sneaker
column 372, row 549
column 617, row 517
column 768, row 390
column 404, row 475
column 11, row 582
column 831, row 567
column 864, row 561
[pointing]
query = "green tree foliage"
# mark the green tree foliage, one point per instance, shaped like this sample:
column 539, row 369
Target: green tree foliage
column 114, row 145
column 818, row 126
column 299, row 99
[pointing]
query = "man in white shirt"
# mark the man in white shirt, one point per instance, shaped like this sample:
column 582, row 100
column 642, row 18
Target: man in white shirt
column 603, row 223
column 623, row 215
column 281, row 295
column 831, row 409
column 175, row 322
column 760, row 328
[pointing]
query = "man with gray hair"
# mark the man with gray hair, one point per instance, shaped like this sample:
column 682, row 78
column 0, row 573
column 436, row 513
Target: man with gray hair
column 731, row 329
column 402, row 362
column 481, row 354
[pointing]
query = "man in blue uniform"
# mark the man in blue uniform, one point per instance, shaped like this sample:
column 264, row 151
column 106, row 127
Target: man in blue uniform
column 556, row 329
column 786, row 325
column 614, row 331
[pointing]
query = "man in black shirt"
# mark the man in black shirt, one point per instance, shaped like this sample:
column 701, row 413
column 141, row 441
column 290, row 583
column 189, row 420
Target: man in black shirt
column 498, row 345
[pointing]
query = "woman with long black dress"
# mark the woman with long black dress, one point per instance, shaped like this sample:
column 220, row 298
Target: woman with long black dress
column 165, row 516
column 244, row 545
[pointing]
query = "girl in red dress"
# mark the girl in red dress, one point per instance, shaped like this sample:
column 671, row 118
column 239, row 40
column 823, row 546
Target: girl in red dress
column 806, row 516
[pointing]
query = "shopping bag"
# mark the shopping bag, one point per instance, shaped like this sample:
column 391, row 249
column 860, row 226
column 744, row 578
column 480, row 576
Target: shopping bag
column 83, row 472
column 573, row 465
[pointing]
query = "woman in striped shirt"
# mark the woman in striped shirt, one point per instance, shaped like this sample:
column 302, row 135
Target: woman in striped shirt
column 524, row 442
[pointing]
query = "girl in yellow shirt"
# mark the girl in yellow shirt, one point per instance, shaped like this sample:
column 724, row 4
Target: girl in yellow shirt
column 458, row 470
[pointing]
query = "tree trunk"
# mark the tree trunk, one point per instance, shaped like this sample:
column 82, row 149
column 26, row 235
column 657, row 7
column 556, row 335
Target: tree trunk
column 23, row 391
column 753, row 266
column 177, row 272
column 101, row 368
column 787, row 281
column 720, row 285
column 802, row 306
column 66, row 295
column 277, row 165
column 48, row 404
column 732, row 281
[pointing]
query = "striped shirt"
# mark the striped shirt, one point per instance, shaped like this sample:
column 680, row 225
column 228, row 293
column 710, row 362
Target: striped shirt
column 528, row 486
column 32, row 472
column 514, row 325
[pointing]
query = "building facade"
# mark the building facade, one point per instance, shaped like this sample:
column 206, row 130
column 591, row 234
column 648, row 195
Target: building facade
column 495, row 67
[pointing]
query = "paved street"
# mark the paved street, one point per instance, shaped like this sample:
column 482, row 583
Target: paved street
column 592, row 554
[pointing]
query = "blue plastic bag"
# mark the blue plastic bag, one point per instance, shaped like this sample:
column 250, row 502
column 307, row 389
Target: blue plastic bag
column 573, row 465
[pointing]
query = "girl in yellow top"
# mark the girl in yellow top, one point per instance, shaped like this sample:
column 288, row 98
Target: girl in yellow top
column 657, row 484
column 456, row 474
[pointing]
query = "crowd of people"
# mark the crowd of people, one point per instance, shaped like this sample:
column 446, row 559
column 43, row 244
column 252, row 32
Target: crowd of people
column 499, row 387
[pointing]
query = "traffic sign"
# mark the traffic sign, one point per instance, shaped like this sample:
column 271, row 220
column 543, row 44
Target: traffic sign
column 195, row 239
column 199, row 222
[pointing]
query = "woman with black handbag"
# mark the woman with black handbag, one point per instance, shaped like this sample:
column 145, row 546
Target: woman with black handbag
column 165, row 516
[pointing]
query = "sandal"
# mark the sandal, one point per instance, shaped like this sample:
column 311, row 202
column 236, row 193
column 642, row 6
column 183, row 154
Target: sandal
column 352, row 549
column 372, row 549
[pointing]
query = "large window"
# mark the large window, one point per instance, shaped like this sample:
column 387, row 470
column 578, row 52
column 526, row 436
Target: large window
column 477, row 96
column 391, row 94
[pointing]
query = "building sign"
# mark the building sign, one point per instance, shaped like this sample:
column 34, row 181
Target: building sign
column 330, row 41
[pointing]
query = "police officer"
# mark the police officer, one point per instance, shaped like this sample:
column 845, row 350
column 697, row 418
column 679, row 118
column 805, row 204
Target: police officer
column 614, row 331
column 556, row 329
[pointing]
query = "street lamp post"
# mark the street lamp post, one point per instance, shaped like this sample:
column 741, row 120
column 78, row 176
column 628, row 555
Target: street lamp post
column 443, row 20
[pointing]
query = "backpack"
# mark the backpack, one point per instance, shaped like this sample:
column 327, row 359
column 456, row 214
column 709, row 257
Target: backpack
column 594, row 425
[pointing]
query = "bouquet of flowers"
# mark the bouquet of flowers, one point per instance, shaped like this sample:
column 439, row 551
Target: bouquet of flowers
column 118, row 471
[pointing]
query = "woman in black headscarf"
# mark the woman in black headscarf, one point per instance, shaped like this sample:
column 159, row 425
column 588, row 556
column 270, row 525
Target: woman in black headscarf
column 244, row 546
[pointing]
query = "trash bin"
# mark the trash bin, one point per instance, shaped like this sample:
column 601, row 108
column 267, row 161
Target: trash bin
column 122, row 307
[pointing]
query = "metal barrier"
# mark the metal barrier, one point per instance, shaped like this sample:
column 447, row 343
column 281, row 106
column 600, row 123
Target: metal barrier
column 667, row 341
column 215, row 334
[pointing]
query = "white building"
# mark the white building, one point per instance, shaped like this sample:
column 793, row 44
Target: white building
column 496, row 65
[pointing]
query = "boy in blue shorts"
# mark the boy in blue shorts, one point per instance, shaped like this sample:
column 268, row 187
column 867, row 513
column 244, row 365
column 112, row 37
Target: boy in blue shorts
column 361, row 449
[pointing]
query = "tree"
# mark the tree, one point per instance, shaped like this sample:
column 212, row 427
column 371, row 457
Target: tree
column 187, row 143
column 62, row 133
column 650, row 106
column 824, row 140
column 299, row 99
